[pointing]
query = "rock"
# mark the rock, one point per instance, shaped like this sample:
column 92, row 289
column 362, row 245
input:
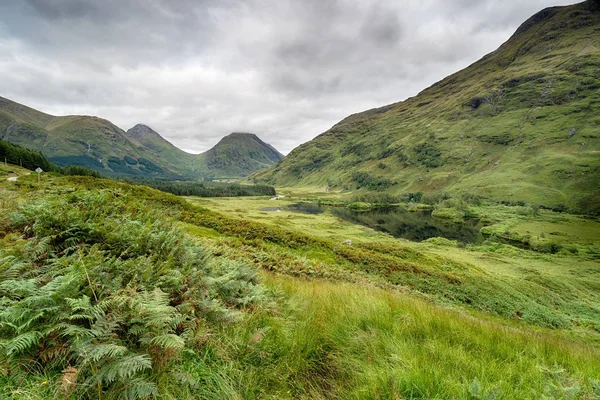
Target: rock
column 347, row 242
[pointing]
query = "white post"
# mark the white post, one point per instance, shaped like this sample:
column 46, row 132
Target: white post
column 39, row 171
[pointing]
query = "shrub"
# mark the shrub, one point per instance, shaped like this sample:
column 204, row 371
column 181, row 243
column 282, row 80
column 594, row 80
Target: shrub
column 411, row 197
column 589, row 204
column 370, row 182
column 428, row 155
column 210, row 189
column 375, row 198
column 434, row 198
column 359, row 206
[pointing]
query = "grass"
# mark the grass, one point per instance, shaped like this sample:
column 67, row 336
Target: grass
column 382, row 318
column 557, row 290
column 348, row 341
column 12, row 170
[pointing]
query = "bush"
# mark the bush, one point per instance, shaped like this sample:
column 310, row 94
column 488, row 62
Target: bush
column 428, row 155
column 375, row 198
column 589, row 205
column 434, row 198
column 370, row 182
column 411, row 197
column 359, row 206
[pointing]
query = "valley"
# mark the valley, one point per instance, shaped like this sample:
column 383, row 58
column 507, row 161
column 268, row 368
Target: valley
column 441, row 319
column 442, row 247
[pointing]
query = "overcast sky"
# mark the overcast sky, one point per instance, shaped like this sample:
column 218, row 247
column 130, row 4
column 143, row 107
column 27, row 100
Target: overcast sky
column 196, row 70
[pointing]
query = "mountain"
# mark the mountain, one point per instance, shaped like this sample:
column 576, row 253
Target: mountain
column 140, row 152
column 521, row 124
column 240, row 154
column 185, row 163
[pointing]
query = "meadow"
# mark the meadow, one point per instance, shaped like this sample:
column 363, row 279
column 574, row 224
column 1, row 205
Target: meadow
column 286, row 310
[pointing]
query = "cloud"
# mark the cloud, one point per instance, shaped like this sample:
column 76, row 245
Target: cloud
column 198, row 70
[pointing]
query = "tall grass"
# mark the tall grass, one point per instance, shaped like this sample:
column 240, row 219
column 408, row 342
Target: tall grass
column 347, row 341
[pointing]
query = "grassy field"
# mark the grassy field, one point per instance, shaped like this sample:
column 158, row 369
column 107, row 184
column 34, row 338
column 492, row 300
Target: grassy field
column 559, row 290
column 350, row 341
column 9, row 170
column 383, row 318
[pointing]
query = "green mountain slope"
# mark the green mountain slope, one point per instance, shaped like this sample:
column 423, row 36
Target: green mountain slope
column 163, row 150
column 239, row 154
column 140, row 152
column 522, row 123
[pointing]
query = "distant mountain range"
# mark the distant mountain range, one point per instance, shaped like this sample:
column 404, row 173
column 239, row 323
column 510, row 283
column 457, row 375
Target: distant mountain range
column 521, row 124
column 140, row 152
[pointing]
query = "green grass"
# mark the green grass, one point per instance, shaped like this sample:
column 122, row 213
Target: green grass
column 12, row 170
column 383, row 318
column 558, row 290
column 348, row 341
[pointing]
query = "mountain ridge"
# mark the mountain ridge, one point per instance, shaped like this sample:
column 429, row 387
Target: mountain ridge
column 97, row 143
column 520, row 124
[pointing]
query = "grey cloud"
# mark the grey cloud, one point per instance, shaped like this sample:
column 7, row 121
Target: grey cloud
column 196, row 70
column 382, row 26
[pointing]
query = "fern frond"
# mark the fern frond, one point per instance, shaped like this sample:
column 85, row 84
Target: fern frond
column 167, row 341
column 124, row 368
column 96, row 352
column 139, row 388
column 24, row 341
column 80, row 304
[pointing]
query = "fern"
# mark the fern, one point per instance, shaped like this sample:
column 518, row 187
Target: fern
column 97, row 352
column 140, row 388
column 21, row 343
column 166, row 341
column 124, row 367
column 100, row 283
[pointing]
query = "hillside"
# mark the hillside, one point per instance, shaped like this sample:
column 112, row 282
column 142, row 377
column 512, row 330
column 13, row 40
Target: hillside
column 97, row 143
column 521, row 124
column 239, row 154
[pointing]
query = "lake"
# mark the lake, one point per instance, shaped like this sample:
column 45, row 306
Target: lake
column 398, row 222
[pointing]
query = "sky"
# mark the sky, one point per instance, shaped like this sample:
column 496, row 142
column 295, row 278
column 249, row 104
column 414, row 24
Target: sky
column 197, row 70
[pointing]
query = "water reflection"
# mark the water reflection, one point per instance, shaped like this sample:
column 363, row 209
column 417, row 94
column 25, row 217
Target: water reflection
column 398, row 222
